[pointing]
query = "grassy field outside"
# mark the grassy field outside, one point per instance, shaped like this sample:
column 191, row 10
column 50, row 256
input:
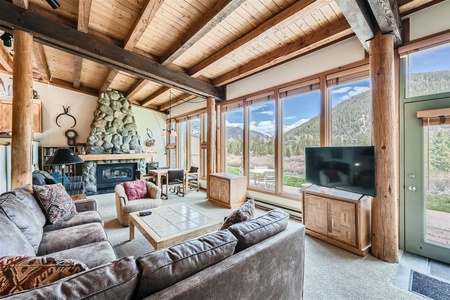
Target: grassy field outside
column 438, row 202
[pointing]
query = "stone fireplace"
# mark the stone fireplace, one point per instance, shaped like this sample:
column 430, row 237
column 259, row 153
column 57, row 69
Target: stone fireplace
column 113, row 135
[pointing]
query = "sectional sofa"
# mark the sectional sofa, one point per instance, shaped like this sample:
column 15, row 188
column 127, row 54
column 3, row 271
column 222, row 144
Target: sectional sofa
column 256, row 259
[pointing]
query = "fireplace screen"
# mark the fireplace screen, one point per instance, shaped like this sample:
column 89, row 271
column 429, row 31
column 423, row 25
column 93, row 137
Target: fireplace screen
column 111, row 174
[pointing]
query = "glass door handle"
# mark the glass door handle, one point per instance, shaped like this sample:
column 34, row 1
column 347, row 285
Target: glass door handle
column 411, row 188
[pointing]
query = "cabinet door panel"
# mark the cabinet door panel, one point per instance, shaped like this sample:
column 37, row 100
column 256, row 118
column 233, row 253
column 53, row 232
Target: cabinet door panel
column 341, row 221
column 316, row 214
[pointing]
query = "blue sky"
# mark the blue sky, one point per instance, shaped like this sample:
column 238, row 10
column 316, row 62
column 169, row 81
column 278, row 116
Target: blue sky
column 300, row 109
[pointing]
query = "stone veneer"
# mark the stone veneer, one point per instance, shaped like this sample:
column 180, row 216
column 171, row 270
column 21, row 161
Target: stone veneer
column 113, row 130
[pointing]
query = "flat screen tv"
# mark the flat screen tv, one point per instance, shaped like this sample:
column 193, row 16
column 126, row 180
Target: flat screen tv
column 350, row 168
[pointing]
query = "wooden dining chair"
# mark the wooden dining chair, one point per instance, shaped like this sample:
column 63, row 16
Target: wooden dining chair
column 174, row 179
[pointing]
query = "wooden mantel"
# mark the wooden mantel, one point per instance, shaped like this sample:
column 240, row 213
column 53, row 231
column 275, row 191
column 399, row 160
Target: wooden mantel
column 92, row 157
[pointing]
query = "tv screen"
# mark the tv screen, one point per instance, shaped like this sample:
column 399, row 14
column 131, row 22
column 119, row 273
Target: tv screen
column 347, row 168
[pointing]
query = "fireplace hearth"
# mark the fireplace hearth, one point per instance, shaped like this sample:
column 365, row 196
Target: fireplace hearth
column 108, row 175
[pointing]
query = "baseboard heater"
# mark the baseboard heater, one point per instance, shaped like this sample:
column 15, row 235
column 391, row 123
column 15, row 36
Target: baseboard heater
column 293, row 213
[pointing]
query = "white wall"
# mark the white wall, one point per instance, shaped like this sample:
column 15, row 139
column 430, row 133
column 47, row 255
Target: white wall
column 82, row 107
column 334, row 56
column 431, row 20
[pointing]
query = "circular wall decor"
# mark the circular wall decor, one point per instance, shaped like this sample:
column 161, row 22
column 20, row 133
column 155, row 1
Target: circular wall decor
column 71, row 136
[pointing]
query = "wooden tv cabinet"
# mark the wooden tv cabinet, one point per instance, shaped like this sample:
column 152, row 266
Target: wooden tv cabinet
column 338, row 217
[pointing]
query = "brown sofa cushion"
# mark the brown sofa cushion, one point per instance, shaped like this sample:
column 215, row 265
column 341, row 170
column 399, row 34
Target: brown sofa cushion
column 14, row 241
column 256, row 230
column 23, row 218
column 164, row 267
column 19, row 273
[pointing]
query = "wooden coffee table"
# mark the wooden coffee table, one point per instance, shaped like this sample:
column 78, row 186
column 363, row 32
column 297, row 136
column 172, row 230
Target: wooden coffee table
column 172, row 224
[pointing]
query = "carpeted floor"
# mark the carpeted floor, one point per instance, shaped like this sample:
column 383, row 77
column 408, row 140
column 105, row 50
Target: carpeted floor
column 330, row 272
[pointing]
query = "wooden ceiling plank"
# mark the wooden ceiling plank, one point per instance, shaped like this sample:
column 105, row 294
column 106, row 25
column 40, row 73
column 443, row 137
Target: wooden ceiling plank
column 325, row 37
column 139, row 85
column 299, row 7
column 69, row 85
column 146, row 102
column 5, row 59
column 140, row 25
column 209, row 21
column 87, row 46
column 41, row 61
column 22, row 3
column 359, row 15
column 387, row 16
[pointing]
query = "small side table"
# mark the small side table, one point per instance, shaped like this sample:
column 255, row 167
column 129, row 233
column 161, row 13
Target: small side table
column 78, row 197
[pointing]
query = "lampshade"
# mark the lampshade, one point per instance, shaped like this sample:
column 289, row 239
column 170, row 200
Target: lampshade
column 173, row 132
column 163, row 132
column 63, row 156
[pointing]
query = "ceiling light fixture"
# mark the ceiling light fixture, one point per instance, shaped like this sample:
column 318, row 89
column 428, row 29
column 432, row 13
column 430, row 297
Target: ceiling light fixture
column 53, row 3
column 7, row 39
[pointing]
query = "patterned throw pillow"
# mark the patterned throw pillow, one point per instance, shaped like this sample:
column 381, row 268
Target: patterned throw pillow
column 55, row 201
column 136, row 189
column 242, row 214
column 18, row 273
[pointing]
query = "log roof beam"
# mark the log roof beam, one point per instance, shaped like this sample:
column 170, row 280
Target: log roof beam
column 84, row 12
column 326, row 36
column 5, row 59
column 217, row 14
column 146, row 15
column 305, row 7
column 41, row 62
column 90, row 47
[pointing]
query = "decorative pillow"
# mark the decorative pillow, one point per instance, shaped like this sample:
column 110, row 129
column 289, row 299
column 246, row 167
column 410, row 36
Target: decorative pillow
column 163, row 268
column 135, row 189
column 18, row 273
column 58, row 178
column 242, row 214
column 55, row 201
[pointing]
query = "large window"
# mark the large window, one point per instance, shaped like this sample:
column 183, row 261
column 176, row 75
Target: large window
column 262, row 142
column 424, row 75
column 234, row 140
column 194, row 144
column 351, row 113
column 182, row 144
column 301, row 128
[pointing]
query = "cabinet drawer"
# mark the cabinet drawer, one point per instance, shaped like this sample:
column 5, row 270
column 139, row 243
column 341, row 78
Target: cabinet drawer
column 342, row 221
column 315, row 214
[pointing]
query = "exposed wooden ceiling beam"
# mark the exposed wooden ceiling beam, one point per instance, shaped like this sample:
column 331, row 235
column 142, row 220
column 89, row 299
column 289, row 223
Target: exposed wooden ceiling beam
column 221, row 10
column 146, row 15
column 5, row 59
column 69, row 86
column 300, row 7
column 146, row 102
column 87, row 46
column 319, row 39
column 388, row 18
column 41, row 61
column 84, row 13
column 139, row 85
column 179, row 100
column 359, row 15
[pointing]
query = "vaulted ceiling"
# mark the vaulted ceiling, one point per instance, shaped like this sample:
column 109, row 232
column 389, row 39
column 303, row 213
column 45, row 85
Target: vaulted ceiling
column 166, row 52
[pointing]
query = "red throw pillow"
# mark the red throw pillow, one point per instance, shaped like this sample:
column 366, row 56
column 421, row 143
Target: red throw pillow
column 136, row 189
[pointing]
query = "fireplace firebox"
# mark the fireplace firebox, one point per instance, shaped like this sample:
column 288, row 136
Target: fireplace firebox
column 108, row 175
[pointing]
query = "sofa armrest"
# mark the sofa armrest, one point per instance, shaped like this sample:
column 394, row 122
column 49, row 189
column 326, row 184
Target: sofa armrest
column 121, row 196
column 85, row 205
column 154, row 191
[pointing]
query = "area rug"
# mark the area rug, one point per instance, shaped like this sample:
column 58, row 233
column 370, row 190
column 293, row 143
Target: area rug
column 428, row 286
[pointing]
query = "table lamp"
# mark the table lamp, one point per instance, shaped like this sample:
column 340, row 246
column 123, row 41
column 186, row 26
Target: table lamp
column 63, row 157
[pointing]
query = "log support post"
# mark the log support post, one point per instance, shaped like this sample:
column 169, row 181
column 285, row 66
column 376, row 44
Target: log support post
column 22, row 131
column 385, row 138
column 211, row 136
